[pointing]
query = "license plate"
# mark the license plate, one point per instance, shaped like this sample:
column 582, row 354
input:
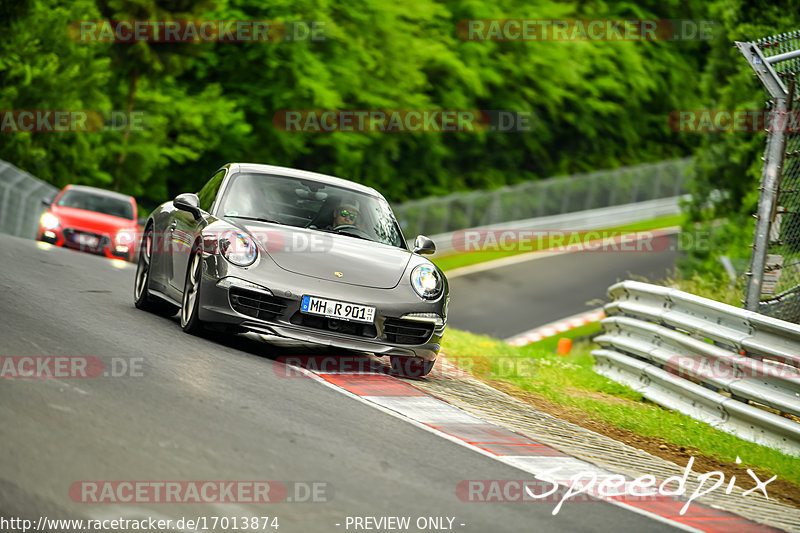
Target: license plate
column 86, row 240
column 339, row 310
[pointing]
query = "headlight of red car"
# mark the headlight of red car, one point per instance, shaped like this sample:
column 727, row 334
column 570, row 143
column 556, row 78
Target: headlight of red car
column 125, row 239
column 49, row 221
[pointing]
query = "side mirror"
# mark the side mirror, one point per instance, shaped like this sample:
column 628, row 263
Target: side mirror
column 141, row 221
column 423, row 245
column 188, row 201
column 46, row 202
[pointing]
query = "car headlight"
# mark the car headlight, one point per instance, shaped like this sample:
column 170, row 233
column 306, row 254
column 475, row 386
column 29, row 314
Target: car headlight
column 426, row 282
column 237, row 248
column 49, row 221
column 125, row 237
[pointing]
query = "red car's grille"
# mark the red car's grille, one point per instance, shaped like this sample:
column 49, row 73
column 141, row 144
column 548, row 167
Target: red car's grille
column 86, row 241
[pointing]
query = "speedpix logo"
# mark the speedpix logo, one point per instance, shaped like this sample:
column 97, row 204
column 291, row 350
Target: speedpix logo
column 590, row 485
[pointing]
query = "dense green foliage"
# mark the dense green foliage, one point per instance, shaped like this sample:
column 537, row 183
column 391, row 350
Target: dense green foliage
column 727, row 170
column 594, row 104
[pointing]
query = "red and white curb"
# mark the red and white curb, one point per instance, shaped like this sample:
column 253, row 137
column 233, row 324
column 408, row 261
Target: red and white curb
column 401, row 399
column 554, row 328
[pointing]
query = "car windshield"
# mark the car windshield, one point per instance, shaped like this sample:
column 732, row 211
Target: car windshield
column 310, row 204
column 99, row 203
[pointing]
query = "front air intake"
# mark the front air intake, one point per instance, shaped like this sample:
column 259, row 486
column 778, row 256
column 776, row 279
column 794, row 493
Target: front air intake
column 400, row 331
column 256, row 304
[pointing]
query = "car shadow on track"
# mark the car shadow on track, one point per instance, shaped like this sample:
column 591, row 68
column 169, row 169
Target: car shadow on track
column 314, row 358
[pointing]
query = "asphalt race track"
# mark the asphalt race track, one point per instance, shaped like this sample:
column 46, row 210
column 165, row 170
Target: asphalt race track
column 219, row 408
column 510, row 300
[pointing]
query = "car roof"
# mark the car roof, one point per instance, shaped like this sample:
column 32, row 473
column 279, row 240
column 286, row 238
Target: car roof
column 302, row 174
column 100, row 192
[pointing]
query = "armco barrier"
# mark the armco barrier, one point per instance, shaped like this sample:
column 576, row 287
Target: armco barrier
column 21, row 198
column 734, row 369
column 543, row 198
column 592, row 219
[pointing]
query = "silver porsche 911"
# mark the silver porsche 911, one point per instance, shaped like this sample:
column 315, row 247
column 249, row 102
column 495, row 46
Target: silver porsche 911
column 295, row 254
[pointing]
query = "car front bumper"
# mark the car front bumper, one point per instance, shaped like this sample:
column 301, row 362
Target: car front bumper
column 275, row 310
column 105, row 247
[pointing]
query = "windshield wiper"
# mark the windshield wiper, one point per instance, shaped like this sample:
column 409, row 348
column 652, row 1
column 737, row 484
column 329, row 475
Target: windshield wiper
column 257, row 219
column 337, row 232
column 353, row 235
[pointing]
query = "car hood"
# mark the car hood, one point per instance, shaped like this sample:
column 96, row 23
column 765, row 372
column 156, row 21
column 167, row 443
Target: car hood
column 82, row 219
column 322, row 255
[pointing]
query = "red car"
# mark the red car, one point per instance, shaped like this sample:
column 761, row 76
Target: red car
column 91, row 220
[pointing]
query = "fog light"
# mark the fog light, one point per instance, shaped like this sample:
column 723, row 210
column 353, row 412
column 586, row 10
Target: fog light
column 49, row 234
column 425, row 317
column 122, row 249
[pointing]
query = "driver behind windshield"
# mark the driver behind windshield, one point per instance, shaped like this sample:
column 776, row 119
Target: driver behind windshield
column 346, row 214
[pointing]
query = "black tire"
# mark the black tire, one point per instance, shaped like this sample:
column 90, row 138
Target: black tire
column 411, row 367
column 190, row 303
column 141, row 283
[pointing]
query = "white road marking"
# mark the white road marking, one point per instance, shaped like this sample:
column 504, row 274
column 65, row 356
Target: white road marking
column 396, row 409
column 425, row 409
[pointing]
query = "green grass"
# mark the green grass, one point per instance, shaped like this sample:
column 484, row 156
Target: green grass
column 570, row 381
column 549, row 344
column 451, row 261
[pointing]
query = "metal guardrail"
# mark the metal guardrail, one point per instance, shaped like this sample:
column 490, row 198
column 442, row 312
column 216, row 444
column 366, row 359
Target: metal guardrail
column 543, row 198
column 592, row 219
column 737, row 370
column 21, row 201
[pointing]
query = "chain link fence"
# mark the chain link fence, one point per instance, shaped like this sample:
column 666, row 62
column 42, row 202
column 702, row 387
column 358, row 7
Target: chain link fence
column 536, row 199
column 21, row 201
column 774, row 284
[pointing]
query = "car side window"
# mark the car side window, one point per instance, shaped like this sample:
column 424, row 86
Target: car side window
column 209, row 191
